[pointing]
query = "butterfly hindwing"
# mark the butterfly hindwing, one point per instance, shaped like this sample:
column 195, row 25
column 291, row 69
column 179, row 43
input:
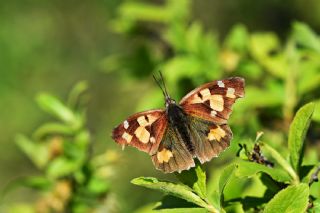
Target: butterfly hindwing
column 213, row 101
column 143, row 130
column 172, row 154
column 209, row 139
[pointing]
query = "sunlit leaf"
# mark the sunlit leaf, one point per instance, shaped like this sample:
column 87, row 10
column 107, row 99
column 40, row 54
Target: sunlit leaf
column 248, row 169
column 55, row 107
column 37, row 152
column 297, row 133
column 53, row 128
column 196, row 179
column 238, row 38
column 316, row 114
column 292, row 199
column 174, row 189
column 305, row 36
column 262, row 47
column 61, row 167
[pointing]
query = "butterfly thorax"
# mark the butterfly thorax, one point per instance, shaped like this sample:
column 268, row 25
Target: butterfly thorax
column 178, row 120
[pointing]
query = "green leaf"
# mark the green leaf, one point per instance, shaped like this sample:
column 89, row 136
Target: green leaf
column 62, row 166
column 174, row 189
column 238, row 38
column 316, row 206
column 37, row 152
column 55, row 107
column 293, row 199
column 37, row 182
column 261, row 47
column 248, row 169
column 305, row 36
column 281, row 161
column 135, row 11
column 195, row 178
column 98, row 185
column 297, row 133
column 226, row 176
column 316, row 114
column 76, row 92
column 53, row 128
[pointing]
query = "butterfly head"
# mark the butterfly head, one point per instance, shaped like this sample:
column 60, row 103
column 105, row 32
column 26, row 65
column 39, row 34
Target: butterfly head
column 161, row 84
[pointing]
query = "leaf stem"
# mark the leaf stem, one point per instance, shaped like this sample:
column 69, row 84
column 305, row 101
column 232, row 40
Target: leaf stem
column 282, row 162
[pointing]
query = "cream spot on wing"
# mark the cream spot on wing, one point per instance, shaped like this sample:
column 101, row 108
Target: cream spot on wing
column 216, row 102
column 230, row 93
column 151, row 119
column 142, row 121
column 126, row 124
column 216, row 134
column 164, row 156
column 142, row 134
column 221, row 84
column 127, row 137
column 196, row 99
column 213, row 113
column 152, row 140
column 205, row 94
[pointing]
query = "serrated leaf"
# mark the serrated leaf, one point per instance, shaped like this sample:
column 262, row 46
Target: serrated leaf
column 196, row 179
column 55, row 107
column 293, row 199
column 248, row 169
column 174, row 189
column 297, row 133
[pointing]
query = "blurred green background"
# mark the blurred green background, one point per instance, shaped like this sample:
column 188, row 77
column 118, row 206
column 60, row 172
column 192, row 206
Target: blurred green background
column 51, row 45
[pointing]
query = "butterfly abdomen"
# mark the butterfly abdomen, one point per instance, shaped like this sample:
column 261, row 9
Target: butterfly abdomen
column 178, row 121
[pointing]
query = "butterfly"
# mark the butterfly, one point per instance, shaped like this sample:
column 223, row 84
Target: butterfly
column 196, row 127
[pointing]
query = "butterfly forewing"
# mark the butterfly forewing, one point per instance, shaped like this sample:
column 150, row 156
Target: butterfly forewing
column 143, row 130
column 213, row 101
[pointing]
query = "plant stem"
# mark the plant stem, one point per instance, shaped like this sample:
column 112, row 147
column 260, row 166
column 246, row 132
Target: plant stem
column 282, row 162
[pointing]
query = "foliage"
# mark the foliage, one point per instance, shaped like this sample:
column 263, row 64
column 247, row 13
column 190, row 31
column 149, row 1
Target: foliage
column 286, row 189
column 281, row 76
column 282, row 73
column 71, row 179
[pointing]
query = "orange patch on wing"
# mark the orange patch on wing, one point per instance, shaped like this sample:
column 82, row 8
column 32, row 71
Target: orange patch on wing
column 216, row 134
column 164, row 156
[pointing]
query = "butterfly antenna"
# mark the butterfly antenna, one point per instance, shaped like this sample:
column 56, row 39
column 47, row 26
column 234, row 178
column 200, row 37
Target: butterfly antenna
column 158, row 83
column 164, row 85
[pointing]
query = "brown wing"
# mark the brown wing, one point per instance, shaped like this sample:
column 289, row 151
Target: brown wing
column 213, row 101
column 143, row 130
column 209, row 139
column 172, row 154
